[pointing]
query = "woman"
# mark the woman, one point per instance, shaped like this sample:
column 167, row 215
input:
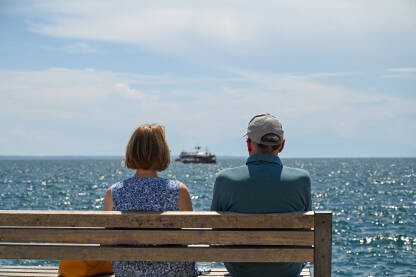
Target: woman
column 148, row 152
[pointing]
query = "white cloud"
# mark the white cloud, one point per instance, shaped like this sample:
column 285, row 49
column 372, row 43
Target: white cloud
column 234, row 27
column 72, row 99
column 240, row 34
column 134, row 93
column 56, row 91
column 330, row 74
column 400, row 72
column 76, row 48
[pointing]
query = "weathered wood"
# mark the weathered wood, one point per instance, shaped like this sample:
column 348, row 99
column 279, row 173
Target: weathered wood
column 38, row 270
column 28, row 267
column 27, row 274
column 22, row 270
column 223, row 272
column 305, row 273
column 30, row 270
column 156, row 220
column 323, row 244
column 245, row 237
column 105, row 236
column 170, row 254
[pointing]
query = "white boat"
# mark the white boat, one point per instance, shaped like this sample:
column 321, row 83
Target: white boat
column 197, row 157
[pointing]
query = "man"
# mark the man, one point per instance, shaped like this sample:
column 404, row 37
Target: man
column 263, row 185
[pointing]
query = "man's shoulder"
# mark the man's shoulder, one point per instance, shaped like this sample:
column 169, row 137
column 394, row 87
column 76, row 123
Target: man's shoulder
column 233, row 173
column 296, row 173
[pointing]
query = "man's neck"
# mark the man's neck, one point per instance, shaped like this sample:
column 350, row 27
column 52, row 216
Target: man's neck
column 259, row 152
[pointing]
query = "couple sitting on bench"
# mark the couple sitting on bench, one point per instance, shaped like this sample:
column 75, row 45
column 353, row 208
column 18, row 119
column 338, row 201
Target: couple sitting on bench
column 262, row 185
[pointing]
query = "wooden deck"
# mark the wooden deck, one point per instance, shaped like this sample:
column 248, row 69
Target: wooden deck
column 52, row 271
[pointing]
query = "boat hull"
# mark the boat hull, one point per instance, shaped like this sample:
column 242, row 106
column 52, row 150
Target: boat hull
column 198, row 157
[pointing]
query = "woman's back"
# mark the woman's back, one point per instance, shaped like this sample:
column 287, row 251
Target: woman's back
column 148, row 194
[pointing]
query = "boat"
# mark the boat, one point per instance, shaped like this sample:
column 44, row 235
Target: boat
column 198, row 156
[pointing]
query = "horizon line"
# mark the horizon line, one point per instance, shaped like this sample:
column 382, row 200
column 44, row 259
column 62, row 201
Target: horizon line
column 5, row 157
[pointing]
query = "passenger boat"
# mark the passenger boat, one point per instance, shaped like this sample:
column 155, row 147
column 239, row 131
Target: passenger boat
column 197, row 157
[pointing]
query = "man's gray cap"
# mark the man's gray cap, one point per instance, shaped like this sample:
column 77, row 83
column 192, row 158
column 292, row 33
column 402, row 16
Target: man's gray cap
column 265, row 124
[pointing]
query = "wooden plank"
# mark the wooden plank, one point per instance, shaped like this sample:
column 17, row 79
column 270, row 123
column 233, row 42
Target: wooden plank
column 103, row 236
column 216, row 272
column 323, row 244
column 305, row 272
column 29, row 267
column 26, row 274
column 35, row 274
column 37, row 271
column 32, row 270
column 172, row 254
column 223, row 272
column 155, row 220
column 213, row 272
column 219, row 269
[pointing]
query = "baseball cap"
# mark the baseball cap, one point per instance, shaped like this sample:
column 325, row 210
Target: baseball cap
column 262, row 125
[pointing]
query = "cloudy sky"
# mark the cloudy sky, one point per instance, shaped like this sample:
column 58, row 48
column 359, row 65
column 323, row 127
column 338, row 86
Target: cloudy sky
column 77, row 77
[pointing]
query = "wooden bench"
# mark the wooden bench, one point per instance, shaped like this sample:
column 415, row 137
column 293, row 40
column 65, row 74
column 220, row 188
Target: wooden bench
column 169, row 236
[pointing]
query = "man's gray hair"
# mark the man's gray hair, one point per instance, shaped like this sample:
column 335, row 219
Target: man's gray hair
column 270, row 138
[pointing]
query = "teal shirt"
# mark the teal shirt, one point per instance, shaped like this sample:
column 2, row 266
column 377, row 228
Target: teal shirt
column 263, row 185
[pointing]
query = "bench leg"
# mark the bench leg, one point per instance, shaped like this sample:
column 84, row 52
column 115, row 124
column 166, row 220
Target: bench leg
column 323, row 244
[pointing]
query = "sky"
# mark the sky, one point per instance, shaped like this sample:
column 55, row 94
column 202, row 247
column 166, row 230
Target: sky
column 77, row 77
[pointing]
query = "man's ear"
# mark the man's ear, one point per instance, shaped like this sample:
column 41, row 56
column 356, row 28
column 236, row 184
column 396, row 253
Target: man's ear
column 282, row 146
column 249, row 146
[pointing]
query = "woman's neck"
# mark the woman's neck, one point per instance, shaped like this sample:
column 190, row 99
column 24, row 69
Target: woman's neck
column 145, row 173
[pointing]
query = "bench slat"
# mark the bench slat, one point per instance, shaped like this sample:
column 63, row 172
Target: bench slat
column 23, row 270
column 28, row 267
column 27, row 274
column 156, row 220
column 30, row 270
column 172, row 254
column 103, row 236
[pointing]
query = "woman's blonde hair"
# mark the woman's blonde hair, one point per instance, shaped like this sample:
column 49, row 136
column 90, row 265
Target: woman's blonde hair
column 148, row 148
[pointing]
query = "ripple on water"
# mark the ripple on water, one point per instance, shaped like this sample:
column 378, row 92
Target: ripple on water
column 373, row 201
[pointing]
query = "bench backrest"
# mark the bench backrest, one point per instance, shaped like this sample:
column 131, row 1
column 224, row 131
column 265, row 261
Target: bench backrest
column 168, row 236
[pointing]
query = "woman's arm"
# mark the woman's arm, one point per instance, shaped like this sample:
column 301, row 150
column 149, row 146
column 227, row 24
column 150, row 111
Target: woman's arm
column 108, row 200
column 184, row 202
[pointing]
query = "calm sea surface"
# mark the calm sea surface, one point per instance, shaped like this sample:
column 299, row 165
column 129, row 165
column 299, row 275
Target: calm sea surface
column 373, row 200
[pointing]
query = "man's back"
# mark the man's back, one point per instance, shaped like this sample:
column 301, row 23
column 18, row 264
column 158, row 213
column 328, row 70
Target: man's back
column 262, row 185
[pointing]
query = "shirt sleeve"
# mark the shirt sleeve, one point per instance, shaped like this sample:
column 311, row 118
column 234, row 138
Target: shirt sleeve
column 308, row 195
column 216, row 203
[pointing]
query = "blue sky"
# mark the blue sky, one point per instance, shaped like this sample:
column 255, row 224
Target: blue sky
column 77, row 77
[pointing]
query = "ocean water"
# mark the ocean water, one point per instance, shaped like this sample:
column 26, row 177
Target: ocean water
column 373, row 200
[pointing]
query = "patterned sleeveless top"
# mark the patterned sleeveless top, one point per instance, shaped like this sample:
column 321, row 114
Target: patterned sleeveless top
column 149, row 194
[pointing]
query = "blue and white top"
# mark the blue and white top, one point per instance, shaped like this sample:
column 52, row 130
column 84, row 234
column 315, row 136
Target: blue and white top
column 149, row 194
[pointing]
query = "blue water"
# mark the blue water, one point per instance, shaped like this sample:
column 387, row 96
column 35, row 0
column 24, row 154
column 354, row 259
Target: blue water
column 373, row 200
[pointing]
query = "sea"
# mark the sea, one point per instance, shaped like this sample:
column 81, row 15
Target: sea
column 373, row 200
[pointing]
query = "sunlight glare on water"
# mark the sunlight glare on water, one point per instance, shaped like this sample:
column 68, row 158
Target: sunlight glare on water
column 373, row 201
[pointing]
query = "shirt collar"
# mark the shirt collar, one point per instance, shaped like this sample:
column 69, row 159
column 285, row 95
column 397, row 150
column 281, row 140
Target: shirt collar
column 263, row 157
